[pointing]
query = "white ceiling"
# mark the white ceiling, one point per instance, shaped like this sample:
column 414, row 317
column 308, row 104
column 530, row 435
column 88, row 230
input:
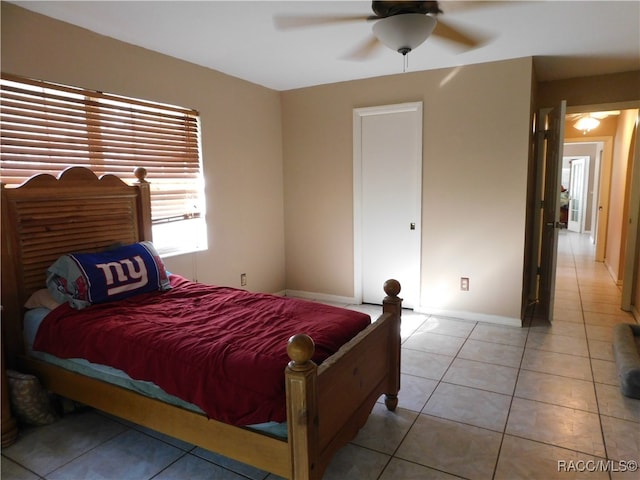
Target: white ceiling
column 567, row 38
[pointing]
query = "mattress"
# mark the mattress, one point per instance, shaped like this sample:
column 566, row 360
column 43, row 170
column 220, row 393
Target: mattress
column 220, row 348
column 32, row 320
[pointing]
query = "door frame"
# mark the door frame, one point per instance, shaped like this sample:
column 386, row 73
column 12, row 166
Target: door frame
column 358, row 115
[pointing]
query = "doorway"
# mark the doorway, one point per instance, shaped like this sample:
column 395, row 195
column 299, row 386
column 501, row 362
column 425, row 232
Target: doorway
column 615, row 204
column 599, row 150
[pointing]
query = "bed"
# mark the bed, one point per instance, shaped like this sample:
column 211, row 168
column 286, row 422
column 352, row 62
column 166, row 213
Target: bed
column 326, row 404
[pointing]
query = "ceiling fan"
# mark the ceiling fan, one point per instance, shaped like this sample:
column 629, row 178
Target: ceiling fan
column 400, row 25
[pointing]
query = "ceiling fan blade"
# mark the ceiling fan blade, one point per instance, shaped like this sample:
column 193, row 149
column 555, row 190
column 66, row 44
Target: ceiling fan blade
column 364, row 50
column 460, row 6
column 286, row 22
column 456, row 35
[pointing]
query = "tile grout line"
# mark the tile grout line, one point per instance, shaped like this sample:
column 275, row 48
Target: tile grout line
column 513, row 396
column 593, row 380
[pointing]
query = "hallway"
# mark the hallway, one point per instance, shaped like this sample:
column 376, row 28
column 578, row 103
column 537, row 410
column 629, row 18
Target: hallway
column 585, row 291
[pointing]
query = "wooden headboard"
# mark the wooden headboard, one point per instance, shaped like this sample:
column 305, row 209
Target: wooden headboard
column 47, row 217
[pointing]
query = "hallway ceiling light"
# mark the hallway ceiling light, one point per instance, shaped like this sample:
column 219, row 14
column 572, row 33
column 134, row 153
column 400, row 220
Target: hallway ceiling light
column 586, row 123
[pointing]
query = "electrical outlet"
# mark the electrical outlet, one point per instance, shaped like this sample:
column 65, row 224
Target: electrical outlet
column 464, row 284
column 243, row 279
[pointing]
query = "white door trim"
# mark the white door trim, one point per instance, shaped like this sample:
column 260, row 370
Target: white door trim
column 358, row 115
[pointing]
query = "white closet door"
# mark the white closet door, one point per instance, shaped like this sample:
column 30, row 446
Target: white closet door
column 388, row 186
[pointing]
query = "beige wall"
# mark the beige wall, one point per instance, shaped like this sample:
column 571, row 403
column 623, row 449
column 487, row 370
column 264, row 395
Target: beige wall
column 475, row 159
column 617, row 227
column 601, row 89
column 241, row 136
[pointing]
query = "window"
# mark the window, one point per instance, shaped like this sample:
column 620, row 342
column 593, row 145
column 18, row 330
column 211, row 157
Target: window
column 47, row 127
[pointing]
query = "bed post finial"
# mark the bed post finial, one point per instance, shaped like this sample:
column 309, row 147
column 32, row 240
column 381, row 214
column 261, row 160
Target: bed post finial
column 392, row 287
column 144, row 206
column 392, row 303
column 300, row 350
column 141, row 174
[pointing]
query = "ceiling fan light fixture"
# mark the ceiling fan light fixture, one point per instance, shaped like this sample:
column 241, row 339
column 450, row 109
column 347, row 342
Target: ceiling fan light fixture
column 586, row 123
column 404, row 32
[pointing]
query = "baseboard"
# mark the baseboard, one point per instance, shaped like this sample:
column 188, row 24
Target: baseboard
column 321, row 297
column 471, row 316
column 462, row 315
column 612, row 273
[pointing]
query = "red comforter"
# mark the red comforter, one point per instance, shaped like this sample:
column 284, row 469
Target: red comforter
column 219, row 348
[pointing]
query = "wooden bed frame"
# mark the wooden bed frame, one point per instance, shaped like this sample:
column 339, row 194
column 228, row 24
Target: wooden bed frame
column 326, row 405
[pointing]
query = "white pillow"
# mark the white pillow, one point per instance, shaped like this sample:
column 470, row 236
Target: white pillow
column 41, row 298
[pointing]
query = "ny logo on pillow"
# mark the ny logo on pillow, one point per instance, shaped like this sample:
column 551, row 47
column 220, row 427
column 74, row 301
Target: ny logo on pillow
column 86, row 278
column 127, row 276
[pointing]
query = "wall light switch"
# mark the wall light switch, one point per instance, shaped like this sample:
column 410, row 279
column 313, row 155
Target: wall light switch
column 464, row 284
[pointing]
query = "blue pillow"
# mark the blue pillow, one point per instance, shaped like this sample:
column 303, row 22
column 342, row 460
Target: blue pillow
column 83, row 279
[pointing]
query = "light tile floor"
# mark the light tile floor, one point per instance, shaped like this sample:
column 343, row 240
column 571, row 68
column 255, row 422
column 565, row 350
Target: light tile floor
column 478, row 401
